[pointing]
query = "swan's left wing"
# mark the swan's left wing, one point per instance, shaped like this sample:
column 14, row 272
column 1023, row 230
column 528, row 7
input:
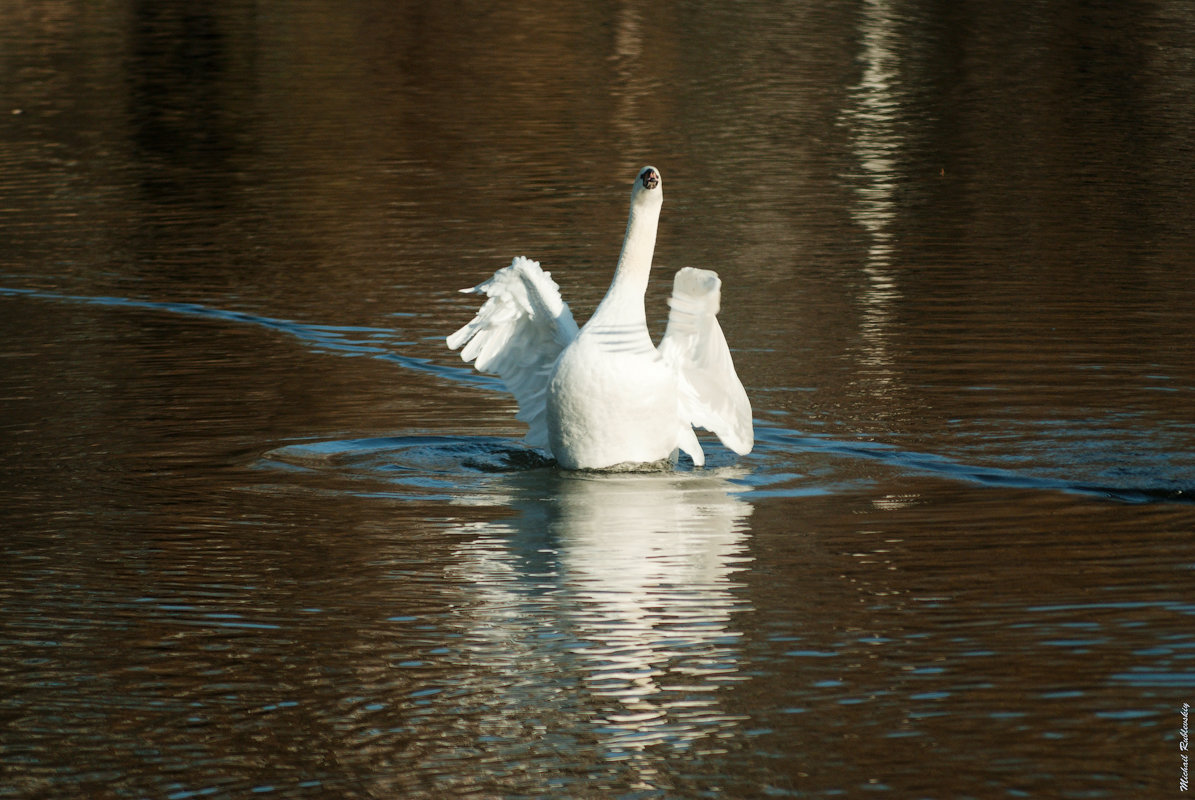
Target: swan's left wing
column 712, row 397
column 517, row 335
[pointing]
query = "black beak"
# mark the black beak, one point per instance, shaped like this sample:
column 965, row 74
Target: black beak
column 650, row 178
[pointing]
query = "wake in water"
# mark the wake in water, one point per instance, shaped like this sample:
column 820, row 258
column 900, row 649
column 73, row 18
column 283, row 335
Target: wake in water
column 1147, row 472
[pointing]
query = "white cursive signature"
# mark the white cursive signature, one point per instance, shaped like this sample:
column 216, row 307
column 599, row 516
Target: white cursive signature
column 1184, row 744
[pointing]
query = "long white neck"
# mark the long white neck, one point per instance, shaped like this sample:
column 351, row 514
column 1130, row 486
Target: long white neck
column 623, row 303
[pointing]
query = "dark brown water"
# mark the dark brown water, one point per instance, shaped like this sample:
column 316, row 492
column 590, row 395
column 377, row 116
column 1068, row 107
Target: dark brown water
column 263, row 535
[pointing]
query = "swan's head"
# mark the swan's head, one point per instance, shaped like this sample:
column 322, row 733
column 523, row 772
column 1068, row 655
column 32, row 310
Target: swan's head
column 649, row 178
column 648, row 186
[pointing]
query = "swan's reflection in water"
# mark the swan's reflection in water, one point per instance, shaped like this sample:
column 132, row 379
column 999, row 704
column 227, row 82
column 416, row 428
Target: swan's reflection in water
column 614, row 598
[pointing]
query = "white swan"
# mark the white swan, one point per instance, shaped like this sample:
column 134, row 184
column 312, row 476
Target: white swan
column 605, row 397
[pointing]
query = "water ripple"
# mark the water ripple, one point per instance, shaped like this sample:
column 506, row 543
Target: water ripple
column 1166, row 478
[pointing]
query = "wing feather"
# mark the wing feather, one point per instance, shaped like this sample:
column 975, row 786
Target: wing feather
column 711, row 394
column 517, row 335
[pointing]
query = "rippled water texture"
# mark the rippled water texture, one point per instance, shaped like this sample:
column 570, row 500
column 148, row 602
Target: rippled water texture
column 263, row 535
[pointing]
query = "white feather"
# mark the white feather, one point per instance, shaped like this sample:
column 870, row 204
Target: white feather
column 712, row 395
column 517, row 335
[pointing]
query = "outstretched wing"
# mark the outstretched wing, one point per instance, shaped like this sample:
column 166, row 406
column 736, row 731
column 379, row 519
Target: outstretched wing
column 712, row 397
column 517, row 335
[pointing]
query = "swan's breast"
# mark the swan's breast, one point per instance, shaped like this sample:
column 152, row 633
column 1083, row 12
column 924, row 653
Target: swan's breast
column 611, row 400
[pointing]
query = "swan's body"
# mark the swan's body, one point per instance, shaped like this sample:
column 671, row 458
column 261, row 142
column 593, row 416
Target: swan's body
column 605, row 397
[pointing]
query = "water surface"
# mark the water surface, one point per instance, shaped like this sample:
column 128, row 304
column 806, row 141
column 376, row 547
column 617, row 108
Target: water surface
column 264, row 535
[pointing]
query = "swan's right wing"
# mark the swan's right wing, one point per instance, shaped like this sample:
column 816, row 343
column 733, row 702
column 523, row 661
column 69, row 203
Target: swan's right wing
column 517, row 335
column 712, row 397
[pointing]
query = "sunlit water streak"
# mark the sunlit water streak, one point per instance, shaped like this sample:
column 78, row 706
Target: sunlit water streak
column 873, row 119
